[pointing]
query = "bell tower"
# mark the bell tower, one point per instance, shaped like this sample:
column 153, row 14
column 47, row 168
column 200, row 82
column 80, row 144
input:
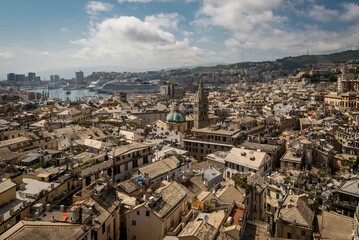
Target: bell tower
column 200, row 108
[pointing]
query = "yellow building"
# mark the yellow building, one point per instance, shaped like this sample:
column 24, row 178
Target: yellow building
column 161, row 215
column 295, row 219
column 32, row 193
column 210, row 139
column 129, row 157
column 7, row 192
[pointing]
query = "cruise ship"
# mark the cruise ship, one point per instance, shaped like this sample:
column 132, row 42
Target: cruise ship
column 128, row 87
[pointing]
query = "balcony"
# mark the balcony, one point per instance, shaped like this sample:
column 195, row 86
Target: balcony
column 174, row 231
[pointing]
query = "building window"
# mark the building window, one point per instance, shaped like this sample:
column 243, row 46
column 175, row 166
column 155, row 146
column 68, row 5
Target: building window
column 147, row 213
column 133, row 237
column 133, row 223
column 138, row 212
column 277, row 195
column 109, row 231
column 303, row 233
column 134, row 163
column 103, row 228
column 268, row 192
column 88, row 180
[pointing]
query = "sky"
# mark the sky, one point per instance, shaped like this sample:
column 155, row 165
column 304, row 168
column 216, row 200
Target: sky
column 59, row 36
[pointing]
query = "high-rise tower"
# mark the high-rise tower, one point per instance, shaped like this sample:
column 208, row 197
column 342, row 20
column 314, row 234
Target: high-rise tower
column 200, row 108
column 79, row 78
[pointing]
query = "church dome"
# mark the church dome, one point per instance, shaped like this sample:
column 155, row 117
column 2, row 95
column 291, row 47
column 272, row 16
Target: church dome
column 175, row 117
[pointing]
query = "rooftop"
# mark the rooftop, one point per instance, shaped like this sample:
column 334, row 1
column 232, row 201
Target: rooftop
column 295, row 210
column 31, row 230
column 268, row 148
column 129, row 148
column 198, row 229
column 248, row 158
column 6, row 185
column 160, row 167
column 170, row 197
column 292, row 156
column 350, row 187
column 335, row 226
column 217, row 131
column 13, row 141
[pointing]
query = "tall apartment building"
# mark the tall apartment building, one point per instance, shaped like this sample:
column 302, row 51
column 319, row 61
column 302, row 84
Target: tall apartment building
column 79, row 78
column 31, row 77
column 11, row 77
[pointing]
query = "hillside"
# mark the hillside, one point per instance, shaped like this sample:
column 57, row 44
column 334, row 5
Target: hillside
column 290, row 63
column 302, row 61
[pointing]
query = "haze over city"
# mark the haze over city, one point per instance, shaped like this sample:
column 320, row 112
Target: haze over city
column 152, row 35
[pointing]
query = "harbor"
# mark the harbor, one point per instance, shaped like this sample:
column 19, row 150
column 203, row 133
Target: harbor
column 75, row 94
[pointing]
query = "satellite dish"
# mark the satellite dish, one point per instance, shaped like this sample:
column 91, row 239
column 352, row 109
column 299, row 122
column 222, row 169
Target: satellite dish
column 206, row 218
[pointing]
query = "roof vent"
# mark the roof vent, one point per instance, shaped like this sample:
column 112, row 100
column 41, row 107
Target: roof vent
column 252, row 158
column 243, row 153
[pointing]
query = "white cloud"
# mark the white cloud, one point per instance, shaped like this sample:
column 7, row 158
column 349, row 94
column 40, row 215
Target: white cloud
column 187, row 33
column 93, row 7
column 45, row 53
column 205, row 39
column 129, row 41
column 351, row 12
column 258, row 26
column 235, row 15
column 166, row 20
column 142, row 1
column 65, row 29
column 322, row 14
column 7, row 55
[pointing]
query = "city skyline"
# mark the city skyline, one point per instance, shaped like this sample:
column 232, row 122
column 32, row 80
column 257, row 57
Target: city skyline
column 152, row 35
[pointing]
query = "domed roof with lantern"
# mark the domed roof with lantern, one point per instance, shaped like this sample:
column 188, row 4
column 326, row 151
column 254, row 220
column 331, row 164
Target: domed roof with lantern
column 175, row 116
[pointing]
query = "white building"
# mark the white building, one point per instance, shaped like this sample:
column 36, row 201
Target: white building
column 241, row 160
